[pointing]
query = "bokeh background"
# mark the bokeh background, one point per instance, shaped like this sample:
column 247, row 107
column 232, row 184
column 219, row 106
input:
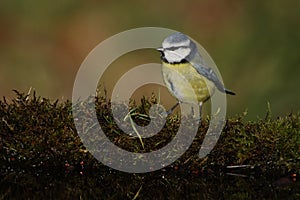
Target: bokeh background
column 254, row 43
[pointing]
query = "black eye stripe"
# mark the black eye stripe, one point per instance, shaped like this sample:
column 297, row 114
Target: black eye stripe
column 175, row 48
column 172, row 48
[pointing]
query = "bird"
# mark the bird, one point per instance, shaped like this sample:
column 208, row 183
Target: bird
column 185, row 72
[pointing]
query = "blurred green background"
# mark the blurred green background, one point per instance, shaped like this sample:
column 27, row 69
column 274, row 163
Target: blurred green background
column 254, row 43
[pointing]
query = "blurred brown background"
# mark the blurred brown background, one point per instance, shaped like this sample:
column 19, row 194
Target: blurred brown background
column 254, row 43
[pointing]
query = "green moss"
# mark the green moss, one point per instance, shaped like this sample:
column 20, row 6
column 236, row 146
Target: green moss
column 37, row 132
column 42, row 153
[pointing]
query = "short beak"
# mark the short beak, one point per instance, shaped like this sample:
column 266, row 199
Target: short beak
column 160, row 49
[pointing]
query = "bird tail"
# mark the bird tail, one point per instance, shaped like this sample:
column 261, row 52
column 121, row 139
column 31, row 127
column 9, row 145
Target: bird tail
column 229, row 92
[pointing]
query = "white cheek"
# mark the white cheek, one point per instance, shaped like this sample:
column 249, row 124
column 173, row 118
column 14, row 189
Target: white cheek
column 183, row 52
column 172, row 57
column 177, row 55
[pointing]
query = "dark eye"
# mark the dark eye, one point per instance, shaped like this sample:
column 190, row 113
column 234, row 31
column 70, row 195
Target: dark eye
column 172, row 48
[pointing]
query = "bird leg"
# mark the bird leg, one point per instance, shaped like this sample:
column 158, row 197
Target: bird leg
column 200, row 108
column 200, row 112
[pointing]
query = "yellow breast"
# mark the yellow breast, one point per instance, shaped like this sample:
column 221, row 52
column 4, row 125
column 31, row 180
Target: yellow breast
column 185, row 83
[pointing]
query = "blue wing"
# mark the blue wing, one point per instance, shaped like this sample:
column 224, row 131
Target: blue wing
column 211, row 75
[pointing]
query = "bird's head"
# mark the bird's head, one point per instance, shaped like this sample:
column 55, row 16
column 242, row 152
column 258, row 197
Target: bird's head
column 177, row 48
